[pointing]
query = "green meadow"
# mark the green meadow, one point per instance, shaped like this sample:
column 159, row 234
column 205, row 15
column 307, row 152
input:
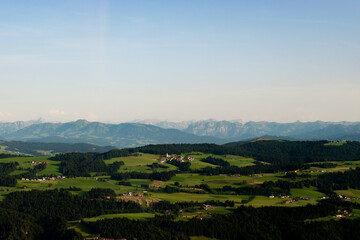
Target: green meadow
column 136, row 216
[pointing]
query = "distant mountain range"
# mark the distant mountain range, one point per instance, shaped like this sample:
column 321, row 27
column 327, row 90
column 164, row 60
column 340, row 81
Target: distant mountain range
column 119, row 135
column 160, row 132
column 236, row 130
column 9, row 127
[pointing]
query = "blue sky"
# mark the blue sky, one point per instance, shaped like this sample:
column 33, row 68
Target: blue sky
column 118, row 61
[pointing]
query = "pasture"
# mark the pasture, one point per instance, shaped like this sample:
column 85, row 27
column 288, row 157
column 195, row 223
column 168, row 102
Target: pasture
column 134, row 216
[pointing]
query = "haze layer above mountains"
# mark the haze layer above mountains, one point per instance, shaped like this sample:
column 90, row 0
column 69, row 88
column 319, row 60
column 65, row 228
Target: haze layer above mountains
column 158, row 132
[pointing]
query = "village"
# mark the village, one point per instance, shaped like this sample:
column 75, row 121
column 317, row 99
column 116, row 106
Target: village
column 44, row 178
column 34, row 163
column 173, row 157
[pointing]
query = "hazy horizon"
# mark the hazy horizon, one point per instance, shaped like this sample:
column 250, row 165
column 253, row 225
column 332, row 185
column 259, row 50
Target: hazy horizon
column 117, row 61
column 155, row 121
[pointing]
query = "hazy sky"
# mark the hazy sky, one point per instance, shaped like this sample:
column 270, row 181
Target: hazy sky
column 180, row 60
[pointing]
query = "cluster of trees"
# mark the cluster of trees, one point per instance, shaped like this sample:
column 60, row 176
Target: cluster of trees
column 226, row 203
column 94, row 155
column 338, row 181
column 323, row 165
column 162, row 176
column 8, row 180
column 6, row 168
column 216, row 161
column 82, row 164
column 118, row 228
column 205, row 187
column 163, row 206
column 101, row 193
column 115, row 166
column 167, row 189
column 6, row 155
column 157, row 165
column 183, row 166
column 298, row 151
column 262, row 189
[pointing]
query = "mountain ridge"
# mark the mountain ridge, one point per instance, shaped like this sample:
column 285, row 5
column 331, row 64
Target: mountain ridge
column 206, row 131
column 119, row 135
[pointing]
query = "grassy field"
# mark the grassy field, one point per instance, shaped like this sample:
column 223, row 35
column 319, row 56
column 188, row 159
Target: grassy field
column 139, row 163
column 334, row 144
column 260, row 201
column 137, row 216
column 198, row 164
column 306, row 192
column 85, row 183
column 25, row 165
column 233, row 160
column 239, row 161
column 217, row 181
column 52, row 168
column 349, row 193
column 24, row 162
column 143, row 159
column 181, row 196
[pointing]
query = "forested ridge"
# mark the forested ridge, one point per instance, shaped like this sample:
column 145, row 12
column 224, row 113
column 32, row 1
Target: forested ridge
column 52, row 148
